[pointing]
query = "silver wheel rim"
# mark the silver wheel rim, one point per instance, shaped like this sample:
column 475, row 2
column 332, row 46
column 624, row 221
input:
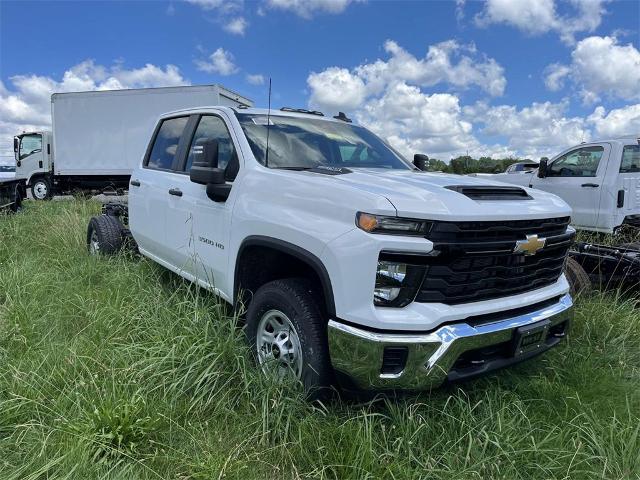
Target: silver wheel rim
column 278, row 345
column 94, row 244
column 40, row 190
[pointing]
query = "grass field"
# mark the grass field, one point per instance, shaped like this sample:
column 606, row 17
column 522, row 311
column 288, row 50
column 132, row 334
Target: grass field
column 115, row 368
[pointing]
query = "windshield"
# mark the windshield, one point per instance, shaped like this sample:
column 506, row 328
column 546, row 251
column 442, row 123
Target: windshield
column 301, row 143
column 29, row 144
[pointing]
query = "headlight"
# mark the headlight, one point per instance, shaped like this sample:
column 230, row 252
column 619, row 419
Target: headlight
column 392, row 225
column 396, row 283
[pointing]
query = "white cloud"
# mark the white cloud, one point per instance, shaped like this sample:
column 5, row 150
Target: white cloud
column 220, row 62
column 387, row 96
column 535, row 17
column 26, row 104
column 307, row 8
column 600, row 66
column 336, row 89
column 555, row 75
column 236, row 26
column 255, row 79
column 535, row 130
column 619, row 121
column 224, row 6
column 458, row 66
column 414, row 122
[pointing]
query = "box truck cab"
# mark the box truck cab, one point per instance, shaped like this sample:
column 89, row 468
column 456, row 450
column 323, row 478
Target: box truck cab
column 599, row 180
column 33, row 161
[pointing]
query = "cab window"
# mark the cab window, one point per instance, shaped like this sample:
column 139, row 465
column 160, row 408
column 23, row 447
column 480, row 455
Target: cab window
column 165, row 145
column 582, row 162
column 30, row 144
column 630, row 159
column 213, row 128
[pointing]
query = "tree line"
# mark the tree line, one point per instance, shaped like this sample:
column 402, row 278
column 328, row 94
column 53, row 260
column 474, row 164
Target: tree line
column 465, row 164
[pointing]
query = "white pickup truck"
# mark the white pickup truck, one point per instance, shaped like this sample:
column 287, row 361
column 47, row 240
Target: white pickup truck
column 599, row 180
column 355, row 267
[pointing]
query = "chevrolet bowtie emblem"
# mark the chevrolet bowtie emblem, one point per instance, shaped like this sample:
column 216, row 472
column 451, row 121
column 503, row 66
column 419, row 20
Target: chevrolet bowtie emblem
column 530, row 246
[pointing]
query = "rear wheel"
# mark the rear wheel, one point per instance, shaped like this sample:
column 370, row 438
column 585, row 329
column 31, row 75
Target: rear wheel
column 287, row 332
column 41, row 189
column 579, row 282
column 104, row 235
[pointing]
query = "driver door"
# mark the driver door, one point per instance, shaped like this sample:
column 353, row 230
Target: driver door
column 577, row 177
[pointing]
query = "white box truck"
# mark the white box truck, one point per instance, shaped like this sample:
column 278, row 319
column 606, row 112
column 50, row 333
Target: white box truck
column 98, row 137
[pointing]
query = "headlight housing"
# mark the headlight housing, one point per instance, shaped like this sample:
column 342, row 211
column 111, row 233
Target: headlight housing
column 397, row 282
column 392, row 225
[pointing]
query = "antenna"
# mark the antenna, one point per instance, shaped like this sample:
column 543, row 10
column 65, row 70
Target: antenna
column 266, row 155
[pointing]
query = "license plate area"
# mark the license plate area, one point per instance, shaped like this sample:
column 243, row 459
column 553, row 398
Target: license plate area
column 530, row 337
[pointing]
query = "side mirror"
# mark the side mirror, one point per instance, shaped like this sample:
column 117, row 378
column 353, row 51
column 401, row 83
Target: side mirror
column 421, row 162
column 542, row 169
column 205, row 171
column 16, row 144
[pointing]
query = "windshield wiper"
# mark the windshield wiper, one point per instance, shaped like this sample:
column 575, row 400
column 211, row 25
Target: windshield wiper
column 293, row 168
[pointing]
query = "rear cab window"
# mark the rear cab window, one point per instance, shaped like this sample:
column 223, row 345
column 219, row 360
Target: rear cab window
column 630, row 159
column 165, row 144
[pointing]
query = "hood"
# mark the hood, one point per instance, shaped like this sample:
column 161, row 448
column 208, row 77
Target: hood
column 425, row 195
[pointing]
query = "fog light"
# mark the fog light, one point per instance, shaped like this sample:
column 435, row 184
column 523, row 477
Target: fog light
column 396, row 283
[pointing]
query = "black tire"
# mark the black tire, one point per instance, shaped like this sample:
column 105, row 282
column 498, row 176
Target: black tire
column 109, row 238
column 579, row 282
column 631, row 246
column 17, row 199
column 41, row 188
column 298, row 300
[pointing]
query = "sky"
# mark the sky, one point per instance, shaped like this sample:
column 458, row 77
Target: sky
column 497, row 78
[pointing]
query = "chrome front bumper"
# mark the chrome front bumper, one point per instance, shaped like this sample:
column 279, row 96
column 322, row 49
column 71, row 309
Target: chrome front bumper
column 452, row 352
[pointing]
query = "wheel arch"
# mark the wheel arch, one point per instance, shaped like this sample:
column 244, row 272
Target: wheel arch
column 287, row 249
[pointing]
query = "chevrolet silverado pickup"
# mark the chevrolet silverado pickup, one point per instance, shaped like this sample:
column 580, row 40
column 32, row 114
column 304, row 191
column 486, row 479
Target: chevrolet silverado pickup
column 353, row 266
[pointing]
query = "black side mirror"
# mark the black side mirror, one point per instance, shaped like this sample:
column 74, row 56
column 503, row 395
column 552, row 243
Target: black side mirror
column 16, row 144
column 542, row 169
column 205, row 171
column 421, row 161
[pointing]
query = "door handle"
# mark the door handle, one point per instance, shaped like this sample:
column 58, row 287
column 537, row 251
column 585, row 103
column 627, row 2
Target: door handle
column 176, row 192
column 592, row 185
column 135, row 183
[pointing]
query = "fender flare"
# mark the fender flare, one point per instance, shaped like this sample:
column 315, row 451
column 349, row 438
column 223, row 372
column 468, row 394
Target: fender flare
column 295, row 251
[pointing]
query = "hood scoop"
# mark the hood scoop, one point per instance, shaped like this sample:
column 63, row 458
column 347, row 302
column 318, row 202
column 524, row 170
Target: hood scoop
column 491, row 192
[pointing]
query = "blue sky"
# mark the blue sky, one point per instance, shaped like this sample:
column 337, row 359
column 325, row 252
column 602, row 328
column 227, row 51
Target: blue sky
column 496, row 69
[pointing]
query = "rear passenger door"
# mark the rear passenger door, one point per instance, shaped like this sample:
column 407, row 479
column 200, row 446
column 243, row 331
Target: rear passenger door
column 149, row 189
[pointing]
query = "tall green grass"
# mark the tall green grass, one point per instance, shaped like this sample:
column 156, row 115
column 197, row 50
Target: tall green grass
column 115, row 368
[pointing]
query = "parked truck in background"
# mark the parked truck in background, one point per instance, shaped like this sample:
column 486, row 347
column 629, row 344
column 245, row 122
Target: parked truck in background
column 599, row 180
column 354, row 266
column 11, row 189
column 97, row 137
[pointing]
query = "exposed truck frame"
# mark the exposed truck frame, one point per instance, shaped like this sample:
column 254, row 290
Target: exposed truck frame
column 12, row 192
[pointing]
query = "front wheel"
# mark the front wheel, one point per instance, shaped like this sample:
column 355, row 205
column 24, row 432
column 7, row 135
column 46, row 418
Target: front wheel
column 579, row 281
column 41, row 189
column 287, row 332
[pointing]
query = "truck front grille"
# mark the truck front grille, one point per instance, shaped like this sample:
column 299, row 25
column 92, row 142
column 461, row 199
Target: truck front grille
column 476, row 260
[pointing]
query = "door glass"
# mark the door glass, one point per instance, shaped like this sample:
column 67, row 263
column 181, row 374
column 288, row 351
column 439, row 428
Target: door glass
column 30, row 144
column 578, row 163
column 630, row 159
column 166, row 143
column 213, row 128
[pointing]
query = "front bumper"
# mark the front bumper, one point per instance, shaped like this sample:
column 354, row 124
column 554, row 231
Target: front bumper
column 452, row 352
